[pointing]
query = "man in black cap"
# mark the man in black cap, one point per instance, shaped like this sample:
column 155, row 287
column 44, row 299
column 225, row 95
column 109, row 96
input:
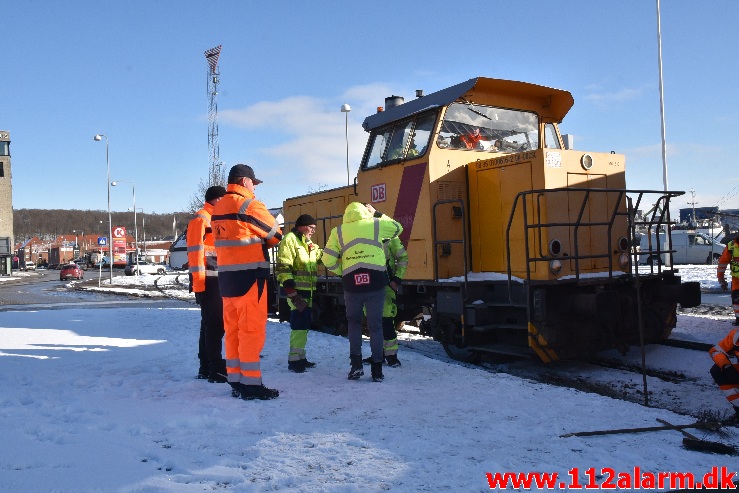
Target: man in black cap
column 244, row 230
column 201, row 257
column 297, row 271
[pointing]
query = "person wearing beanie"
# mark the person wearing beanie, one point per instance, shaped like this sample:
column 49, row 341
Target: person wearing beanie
column 243, row 231
column 730, row 258
column 297, row 272
column 203, row 267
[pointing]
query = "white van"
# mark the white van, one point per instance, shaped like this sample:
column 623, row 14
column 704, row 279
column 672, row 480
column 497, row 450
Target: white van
column 30, row 265
column 690, row 248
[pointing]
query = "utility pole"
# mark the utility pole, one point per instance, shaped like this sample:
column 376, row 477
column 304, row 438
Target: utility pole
column 692, row 194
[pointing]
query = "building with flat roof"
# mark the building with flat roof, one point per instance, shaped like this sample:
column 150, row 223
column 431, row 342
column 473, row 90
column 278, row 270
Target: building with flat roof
column 6, row 206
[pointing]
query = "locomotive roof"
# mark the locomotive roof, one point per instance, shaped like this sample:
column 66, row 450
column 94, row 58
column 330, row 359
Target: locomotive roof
column 557, row 101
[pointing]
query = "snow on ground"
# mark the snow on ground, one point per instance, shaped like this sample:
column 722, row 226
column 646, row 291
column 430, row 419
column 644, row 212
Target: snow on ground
column 105, row 399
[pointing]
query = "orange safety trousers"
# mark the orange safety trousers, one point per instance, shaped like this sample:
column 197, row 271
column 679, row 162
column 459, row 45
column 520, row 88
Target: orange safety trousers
column 245, row 323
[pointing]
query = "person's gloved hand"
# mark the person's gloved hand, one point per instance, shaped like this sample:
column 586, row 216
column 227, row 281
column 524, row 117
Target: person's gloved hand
column 724, row 285
column 299, row 302
column 199, row 297
column 290, row 291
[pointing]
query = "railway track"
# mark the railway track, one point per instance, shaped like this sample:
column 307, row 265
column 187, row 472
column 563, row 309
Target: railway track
column 676, row 381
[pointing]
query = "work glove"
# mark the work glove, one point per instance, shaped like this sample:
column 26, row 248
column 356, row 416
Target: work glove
column 199, row 297
column 298, row 301
column 724, row 285
column 730, row 373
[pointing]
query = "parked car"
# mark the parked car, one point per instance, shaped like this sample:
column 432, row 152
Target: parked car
column 30, row 265
column 145, row 268
column 71, row 271
column 690, row 248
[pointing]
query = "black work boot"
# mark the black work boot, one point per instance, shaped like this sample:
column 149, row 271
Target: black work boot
column 356, row 370
column 235, row 389
column 377, row 375
column 392, row 361
column 308, row 364
column 296, row 366
column 251, row 392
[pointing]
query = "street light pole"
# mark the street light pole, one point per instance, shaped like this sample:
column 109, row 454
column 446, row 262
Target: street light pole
column 345, row 108
column 98, row 138
column 135, row 222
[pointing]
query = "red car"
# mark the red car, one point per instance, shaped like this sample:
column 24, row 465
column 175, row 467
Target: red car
column 71, row 271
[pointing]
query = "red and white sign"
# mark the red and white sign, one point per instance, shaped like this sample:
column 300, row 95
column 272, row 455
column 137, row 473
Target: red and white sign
column 360, row 279
column 119, row 245
column 378, row 193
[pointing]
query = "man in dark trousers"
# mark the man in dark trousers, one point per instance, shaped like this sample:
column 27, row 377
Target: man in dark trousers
column 354, row 252
column 201, row 257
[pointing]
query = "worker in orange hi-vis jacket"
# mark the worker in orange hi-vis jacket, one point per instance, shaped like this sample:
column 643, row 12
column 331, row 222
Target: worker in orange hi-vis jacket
column 203, row 266
column 724, row 372
column 244, row 230
column 730, row 258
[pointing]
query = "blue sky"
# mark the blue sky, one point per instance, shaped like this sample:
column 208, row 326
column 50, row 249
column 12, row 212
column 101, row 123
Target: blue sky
column 136, row 72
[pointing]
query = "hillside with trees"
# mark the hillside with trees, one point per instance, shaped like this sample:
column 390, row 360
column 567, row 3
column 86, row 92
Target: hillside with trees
column 50, row 223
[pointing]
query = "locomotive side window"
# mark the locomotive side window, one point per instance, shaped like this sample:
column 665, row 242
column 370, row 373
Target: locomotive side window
column 483, row 128
column 421, row 135
column 401, row 136
column 550, row 137
column 377, row 145
column 406, row 139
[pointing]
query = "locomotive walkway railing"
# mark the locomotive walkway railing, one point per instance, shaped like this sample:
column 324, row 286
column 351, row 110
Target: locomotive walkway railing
column 658, row 220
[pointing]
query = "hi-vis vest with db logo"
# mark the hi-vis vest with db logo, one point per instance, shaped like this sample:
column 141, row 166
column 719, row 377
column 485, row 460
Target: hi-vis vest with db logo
column 354, row 250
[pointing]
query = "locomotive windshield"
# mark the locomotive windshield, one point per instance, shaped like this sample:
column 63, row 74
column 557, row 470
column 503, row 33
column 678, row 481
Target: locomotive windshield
column 483, row 128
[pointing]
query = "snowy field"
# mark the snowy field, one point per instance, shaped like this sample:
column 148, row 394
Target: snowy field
column 105, row 399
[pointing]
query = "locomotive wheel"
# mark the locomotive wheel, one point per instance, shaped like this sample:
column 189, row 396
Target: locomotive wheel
column 455, row 349
column 461, row 353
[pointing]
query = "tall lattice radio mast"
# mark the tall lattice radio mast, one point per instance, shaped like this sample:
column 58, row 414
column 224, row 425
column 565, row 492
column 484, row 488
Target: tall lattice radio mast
column 216, row 175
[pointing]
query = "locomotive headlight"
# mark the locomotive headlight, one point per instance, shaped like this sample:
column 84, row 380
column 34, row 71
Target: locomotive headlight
column 623, row 244
column 555, row 266
column 555, row 247
column 623, row 261
column 586, row 161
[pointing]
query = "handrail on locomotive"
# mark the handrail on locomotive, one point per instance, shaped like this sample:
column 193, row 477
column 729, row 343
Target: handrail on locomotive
column 657, row 223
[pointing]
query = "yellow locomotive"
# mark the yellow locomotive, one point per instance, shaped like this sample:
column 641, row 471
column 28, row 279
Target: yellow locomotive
column 514, row 240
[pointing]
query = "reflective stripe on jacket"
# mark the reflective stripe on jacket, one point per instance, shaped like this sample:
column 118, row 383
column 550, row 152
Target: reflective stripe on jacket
column 201, row 253
column 397, row 259
column 243, row 230
column 297, row 260
column 397, row 263
column 354, row 250
column 729, row 258
column 727, row 348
